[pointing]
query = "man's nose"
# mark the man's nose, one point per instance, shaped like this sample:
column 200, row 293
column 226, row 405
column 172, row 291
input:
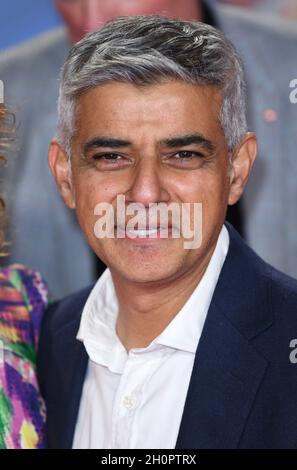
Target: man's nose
column 147, row 185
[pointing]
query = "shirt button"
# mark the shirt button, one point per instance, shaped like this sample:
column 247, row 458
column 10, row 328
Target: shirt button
column 129, row 401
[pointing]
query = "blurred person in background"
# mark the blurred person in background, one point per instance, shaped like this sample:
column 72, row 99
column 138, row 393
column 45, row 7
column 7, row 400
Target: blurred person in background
column 289, row 10
column 285, row 8
column 46, row 235
column 23, row 298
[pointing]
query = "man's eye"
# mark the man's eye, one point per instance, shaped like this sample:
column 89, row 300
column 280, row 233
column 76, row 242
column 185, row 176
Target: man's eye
column 111, row 157
column 109, row 161
column 187, row 154
column 185, row 159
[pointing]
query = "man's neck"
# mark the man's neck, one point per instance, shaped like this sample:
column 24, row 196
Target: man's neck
column 145, row 311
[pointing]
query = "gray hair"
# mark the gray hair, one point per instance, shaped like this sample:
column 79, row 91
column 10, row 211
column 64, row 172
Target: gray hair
column 147, row 50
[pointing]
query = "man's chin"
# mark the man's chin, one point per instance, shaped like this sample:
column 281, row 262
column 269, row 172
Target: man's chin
column 159, row 272
column 143, row 264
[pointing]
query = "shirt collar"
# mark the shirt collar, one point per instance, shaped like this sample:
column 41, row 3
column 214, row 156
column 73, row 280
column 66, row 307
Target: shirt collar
column 97, row 327
column 184, row 331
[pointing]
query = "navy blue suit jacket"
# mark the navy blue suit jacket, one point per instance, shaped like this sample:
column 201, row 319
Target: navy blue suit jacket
column 243, row 388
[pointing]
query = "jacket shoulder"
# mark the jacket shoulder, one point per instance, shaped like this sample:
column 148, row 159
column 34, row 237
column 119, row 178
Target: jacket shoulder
column 24, row 69
column 33, row 49
column 254, row 293
column 262, row 21
column 284, row 296
column 58, row 316
column 66, row 310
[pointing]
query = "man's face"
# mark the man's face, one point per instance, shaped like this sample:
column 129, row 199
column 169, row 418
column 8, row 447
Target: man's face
column 83, row 16
column 149, row 167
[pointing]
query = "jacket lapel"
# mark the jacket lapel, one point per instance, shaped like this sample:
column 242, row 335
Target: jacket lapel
column 227, row 370
column 70, row 363
column 226, row 375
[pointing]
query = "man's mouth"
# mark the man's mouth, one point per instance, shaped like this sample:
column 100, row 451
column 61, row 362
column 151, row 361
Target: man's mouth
column 157, row 232
column 142, row 232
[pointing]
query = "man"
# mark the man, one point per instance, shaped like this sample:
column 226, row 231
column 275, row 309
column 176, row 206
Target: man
column 174, row 346
column 49, row 238
column 46, row 236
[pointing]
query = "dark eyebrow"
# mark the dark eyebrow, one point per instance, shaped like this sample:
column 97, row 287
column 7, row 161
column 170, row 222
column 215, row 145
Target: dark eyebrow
column 189, row 139
column 105, row 142
column 179, row 141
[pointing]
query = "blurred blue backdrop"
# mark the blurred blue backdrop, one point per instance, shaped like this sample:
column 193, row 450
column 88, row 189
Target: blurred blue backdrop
column 23, row 19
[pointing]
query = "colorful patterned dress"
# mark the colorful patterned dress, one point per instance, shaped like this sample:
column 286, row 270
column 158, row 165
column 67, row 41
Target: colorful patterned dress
column 23, row 298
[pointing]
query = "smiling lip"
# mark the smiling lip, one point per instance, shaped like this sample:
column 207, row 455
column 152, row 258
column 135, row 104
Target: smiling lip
column 145, row 235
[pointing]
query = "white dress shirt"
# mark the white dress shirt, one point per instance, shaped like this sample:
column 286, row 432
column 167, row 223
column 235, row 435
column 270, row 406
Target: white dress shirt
column 135, row 399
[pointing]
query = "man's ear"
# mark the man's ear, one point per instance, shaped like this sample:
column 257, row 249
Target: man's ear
column 241, row 166
column 60, row 166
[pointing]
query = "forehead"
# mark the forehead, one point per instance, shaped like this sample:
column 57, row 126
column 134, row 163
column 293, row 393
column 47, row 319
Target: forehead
column 162, row 109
